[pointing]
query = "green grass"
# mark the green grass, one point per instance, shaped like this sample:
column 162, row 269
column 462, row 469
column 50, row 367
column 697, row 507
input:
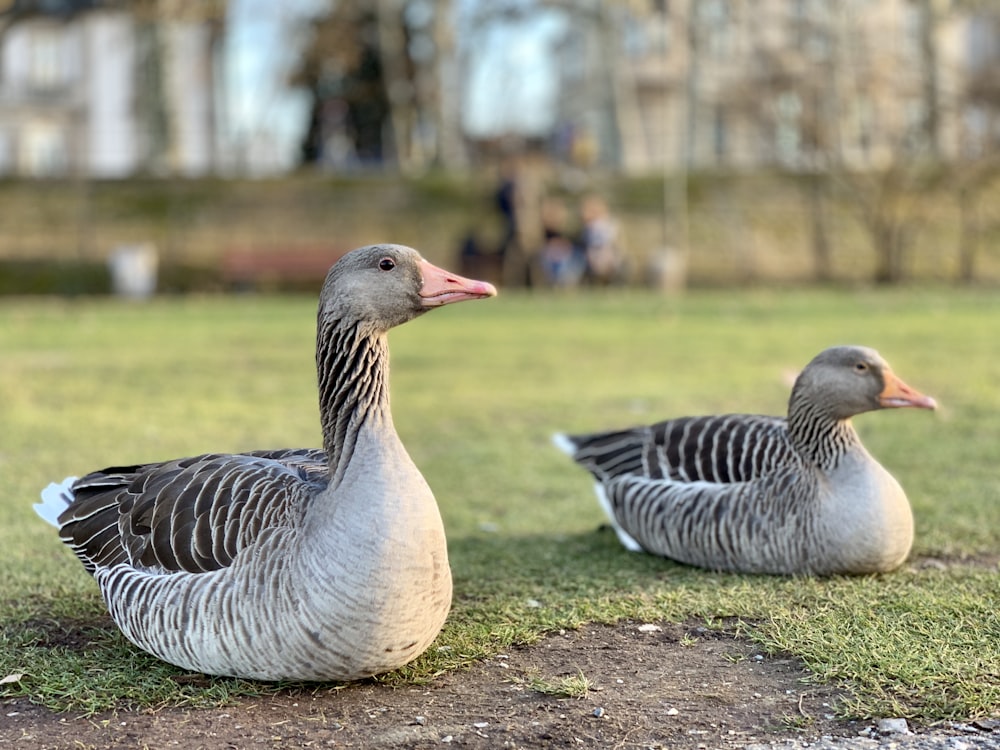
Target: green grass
column 477, row 391
column 573, row 686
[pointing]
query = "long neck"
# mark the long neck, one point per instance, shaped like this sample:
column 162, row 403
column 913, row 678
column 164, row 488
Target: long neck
column 817, row 435
column 353, row 368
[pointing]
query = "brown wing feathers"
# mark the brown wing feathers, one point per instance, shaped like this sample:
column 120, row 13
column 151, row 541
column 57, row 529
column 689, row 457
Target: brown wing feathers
column 193, row 514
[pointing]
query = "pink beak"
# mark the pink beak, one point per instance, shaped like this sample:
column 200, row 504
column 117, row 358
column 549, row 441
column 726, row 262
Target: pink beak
column 898, row 394
column 442, row 287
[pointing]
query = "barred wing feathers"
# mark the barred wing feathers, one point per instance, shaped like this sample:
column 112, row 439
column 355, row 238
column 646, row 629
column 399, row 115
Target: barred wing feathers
column 716, row 491
column 189, row 515
column 719, row 449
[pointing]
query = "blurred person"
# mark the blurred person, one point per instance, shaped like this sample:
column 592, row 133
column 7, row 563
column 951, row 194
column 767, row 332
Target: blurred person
column 507, row 198
column 561, row 259
column 600, row 239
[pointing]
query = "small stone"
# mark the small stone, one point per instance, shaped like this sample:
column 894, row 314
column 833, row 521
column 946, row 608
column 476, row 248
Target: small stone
column 419, row 720
column 960, row 727
column 447, row 738
column 893, row 726
column 533, row 603
column 598, row 712
column 649, row 628
column 672, row 712
column 481, row 724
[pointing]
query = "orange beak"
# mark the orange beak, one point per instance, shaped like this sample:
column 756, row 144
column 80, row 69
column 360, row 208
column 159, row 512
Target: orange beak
column 442, row 287
column 898, row 394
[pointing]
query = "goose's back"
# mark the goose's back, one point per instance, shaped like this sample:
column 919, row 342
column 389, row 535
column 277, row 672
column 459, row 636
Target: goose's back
column 189, row 515
column 727, row 492
column 719, row 449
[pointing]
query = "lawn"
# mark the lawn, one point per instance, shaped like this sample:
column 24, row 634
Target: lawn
column 477, row 391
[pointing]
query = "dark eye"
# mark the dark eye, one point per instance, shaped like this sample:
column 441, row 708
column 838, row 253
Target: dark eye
column 387, row 264
column 861, row 367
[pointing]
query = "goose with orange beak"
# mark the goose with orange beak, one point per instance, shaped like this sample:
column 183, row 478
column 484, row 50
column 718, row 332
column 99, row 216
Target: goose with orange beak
column 760, row 494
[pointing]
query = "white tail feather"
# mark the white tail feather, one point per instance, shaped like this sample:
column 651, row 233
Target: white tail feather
column 55, row 499
column 567, row 446
column 563, row 443
column 623, row 536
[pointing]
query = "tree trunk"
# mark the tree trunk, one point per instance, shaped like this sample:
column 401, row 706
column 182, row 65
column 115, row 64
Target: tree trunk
column 398, row 88
column 968, row 238
column 929, row 76
column 891, row 241
column 814, row 189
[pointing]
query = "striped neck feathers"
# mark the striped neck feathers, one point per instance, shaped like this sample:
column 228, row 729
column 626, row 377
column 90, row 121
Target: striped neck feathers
column 816, row 434
column 352, row 364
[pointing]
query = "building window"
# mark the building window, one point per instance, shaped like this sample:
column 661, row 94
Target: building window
column 913, row 29
column 811, row 28
column 788, row 132
column 5, row 156
column 720, row 135
column 47, row 68
column 715, row 24
column 982, row 42
column 43, row 149
column 916, row 130
column 864, row 126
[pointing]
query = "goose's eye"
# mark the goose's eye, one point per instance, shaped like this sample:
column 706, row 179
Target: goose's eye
column 387, row 264
column 860, row 367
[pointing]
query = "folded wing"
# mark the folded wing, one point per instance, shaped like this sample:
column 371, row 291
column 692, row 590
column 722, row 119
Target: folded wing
column 193, row 514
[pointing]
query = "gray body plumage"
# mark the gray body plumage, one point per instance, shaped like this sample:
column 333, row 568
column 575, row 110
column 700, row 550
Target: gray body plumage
column 294, row 564
column 762, row 494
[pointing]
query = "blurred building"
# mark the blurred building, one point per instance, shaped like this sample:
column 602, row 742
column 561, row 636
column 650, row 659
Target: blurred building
column 790, row 84
column 107, row 89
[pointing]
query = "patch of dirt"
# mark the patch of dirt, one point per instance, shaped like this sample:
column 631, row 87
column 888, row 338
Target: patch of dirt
column 75, row 635
column 666, row 686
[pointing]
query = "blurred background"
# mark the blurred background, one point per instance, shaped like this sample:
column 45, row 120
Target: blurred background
column 204, row 145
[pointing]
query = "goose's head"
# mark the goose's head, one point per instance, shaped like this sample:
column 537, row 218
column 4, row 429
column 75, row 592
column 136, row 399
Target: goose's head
column 386, row 285
column 846, row 380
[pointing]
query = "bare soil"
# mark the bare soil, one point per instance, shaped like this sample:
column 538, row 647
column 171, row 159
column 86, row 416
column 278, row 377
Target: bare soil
column 650, row 686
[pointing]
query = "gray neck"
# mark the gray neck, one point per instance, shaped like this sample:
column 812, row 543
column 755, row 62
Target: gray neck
column 352, row 365
column 817, row 435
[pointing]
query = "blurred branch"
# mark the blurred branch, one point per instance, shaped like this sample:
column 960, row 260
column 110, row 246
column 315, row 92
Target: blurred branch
column 373, row 71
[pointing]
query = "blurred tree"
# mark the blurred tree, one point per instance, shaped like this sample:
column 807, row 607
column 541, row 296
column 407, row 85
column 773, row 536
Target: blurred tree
column 342, row 71
column 785, row 95
column 979, row 168
column 373, row 71
column 154, row 20
column 838, row 108
column 886, row 88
